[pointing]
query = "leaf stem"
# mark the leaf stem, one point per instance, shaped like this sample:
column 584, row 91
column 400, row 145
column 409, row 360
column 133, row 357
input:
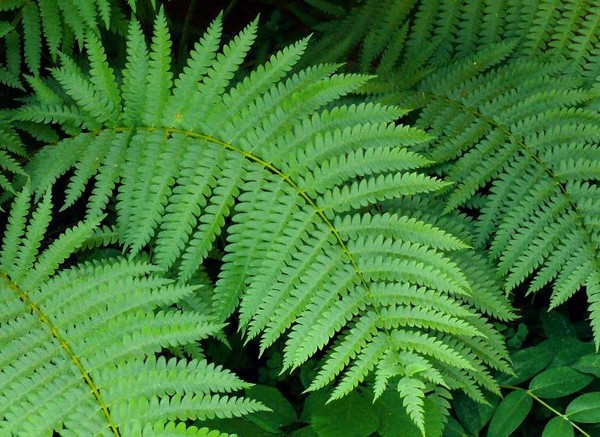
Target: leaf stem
column 62, row 341
column 549, row 407
column 229, row 8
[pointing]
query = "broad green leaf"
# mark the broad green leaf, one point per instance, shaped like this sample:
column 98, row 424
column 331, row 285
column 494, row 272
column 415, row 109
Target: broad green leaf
column 283, row 412
column 558, row 427
column 351, row 416
column 585, row 408
column 529, row 362
column 558, row 381
column 557, row 325
column 453, row 429
column 307, row 431
column 588, row 364
column 313, row 403
column 238, row 426
column 394, row 422
column 513, row 409
column 473, row 415
column 568, row 350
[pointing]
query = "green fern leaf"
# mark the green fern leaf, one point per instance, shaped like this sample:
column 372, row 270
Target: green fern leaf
column 51, row 25
column 12, row 151
column 58, row 24
column 102, row 76
column 219, row 75
column 15, row 229
column 135, row 74
column 441, row 31
column 159, row 76
column 512, row 137
column 170, row 428
column 532, row 201
column 201, row 58
column 95, row 107
column 32, row 36
column 87, row 336
column 32, row 239
column 412, row 392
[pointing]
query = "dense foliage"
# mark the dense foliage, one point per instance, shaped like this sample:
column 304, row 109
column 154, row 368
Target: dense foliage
column 341, row 218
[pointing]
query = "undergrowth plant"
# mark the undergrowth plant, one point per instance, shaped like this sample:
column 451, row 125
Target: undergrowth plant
column 350, row 226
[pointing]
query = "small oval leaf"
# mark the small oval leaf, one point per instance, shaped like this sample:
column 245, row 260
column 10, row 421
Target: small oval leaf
column 585, row 408
column 588, row 364
column 282, row 411
column 558, row 381
column 513, row 409
column 529, row 362
column 558, row 427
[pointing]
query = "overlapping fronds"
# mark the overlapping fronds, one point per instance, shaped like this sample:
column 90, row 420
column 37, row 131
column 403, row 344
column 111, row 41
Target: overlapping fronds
column 522, row 149
column 329, row 7
column 27, row 25
column 412, row 35
column 290, row 188
column 474, row 262
column 79, row 344
column 504, row 88
column 11, row 150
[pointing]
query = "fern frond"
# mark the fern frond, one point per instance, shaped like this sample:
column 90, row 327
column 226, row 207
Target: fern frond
column 475, row 264
column 159, row 77
column 399, row 228
column 101, row 75
column 135, row 75
column 96, row 106
column 262, row 167
column 201, row 58
column 219, row 76
column 11, row 151
column 15, row 229
column 440, row 32
column 170, row 428
column 32, row 36
column 326, row 6
column 56, row 23
column 413, row 395
column 518, row 138
column 51, row 25
column 79, row 344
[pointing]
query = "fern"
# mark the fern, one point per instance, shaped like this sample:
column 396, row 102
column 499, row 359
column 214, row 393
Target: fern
column 413, row 35
column 326, row 6
column 11, row 150
column 506, row 93
column 80, row 344
column 520, row 130
column 290, row 187
column 474, row 262
column 59, row 24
